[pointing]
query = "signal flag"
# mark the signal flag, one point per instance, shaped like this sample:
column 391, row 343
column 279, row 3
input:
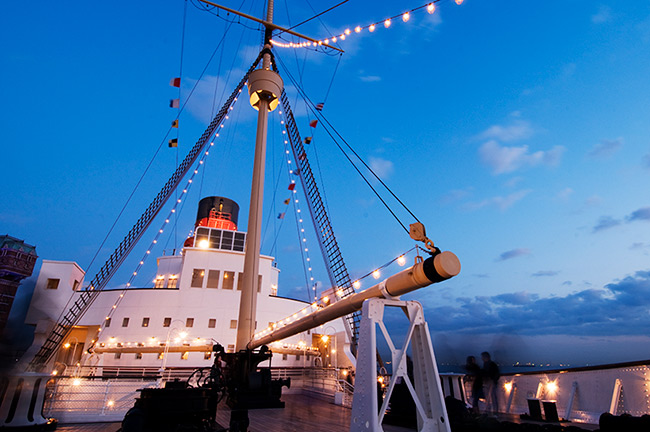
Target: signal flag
column 175, row 82
column 173, row 142
column 174, row 103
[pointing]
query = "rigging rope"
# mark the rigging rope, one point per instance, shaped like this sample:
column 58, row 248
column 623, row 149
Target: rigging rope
column 312, row 108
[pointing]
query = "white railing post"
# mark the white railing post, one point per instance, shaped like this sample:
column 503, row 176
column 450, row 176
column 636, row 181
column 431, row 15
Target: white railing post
column 425, row 388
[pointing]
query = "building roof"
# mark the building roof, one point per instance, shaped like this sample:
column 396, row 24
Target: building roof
column 9, row 242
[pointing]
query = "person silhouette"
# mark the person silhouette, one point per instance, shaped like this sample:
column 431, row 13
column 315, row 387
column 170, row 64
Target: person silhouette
column 491, row 375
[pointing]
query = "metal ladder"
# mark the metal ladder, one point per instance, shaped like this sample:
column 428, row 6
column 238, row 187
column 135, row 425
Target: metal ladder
column 336, row 269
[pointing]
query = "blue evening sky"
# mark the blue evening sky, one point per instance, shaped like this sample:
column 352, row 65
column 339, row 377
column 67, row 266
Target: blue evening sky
column 518, row 132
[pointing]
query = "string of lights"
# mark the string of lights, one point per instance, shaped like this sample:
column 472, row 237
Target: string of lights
column 348, row 32
column 161, row 230
column 296, row 206
column 325, row 300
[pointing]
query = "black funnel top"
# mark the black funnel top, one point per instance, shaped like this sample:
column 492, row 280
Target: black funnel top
column 221, row 205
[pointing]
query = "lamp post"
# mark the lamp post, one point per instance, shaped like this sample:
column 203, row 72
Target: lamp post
column 182, row 335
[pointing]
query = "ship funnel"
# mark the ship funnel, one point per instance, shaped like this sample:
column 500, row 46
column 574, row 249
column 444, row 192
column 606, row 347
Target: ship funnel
column 219, row 208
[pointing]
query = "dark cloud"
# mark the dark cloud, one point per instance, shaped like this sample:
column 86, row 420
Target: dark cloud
column 543, row 273
column 606, row 222
column 514, row 253
column 605, row 148
column 640, row 214
column 619, row 308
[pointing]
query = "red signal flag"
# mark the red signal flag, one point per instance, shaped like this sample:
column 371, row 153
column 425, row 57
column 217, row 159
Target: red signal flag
column 313, row 123
column 175, row 82
column 320, row 106
column 292, row 186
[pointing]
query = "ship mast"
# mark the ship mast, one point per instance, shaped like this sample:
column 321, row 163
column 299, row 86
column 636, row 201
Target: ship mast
column 264, row 88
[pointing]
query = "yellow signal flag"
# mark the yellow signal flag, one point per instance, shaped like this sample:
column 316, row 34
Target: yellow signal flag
column 173, row 142
column 175, row 124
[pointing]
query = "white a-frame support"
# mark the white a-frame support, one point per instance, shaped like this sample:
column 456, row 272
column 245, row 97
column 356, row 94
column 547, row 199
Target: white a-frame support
column 425, row 388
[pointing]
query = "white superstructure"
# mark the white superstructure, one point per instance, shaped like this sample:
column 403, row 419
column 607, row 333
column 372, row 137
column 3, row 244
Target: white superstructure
column 193, row 305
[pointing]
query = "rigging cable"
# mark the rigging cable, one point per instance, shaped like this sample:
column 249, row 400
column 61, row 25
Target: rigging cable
column 312, row 108
column 180, row 75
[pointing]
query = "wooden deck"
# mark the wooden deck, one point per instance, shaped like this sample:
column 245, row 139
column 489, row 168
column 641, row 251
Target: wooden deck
column 302, row 413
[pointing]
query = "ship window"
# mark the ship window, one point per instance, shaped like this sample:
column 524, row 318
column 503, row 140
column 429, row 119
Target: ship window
column 52, row 283
column 284, row 356
column 145, row 322
column 118, row 356
column 215, row 238
column 159, row 282
column 240, row 280
column 138, row 356
column 240, row 240
column 233, row 324
column 228, row 280
column 172, row 283
column 226, row 240
column 197, row 278
column 231, row 349
column 189, row 322
column 185, row 355
column 212, row 323
column 75, row 285
column 201, row 234
column 213, row 279
column 259, row 283
column 108, row 322
column 298, row 357
column 167, row 322
column 125, row 322
column 207, row 355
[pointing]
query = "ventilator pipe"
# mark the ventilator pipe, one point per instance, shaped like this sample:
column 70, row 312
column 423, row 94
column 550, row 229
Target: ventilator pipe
column 434, row 269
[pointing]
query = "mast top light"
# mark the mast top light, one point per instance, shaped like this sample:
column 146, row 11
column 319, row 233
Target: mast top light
column 264, row 83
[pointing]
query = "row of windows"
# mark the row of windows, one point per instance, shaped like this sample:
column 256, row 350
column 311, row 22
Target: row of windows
column 54, row 284
column 167, row 322
column 218, row 239
column 227, row 280
column 206, row 355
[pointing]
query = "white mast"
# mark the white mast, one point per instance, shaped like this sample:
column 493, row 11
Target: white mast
column 264, row 88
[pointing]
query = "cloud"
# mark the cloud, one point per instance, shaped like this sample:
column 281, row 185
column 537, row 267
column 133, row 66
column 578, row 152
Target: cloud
column 514, row 253
column 370, row 78
column 505, row 159
column 455, row 195
column 502, row 203
column 605, row 223
column 565, row 194
column 520, row 129
column 640, row 214
column 545, row 273
column 382, row 167
column 646, row 161
column 605, row 148
column 603, row 15
column 619, row 308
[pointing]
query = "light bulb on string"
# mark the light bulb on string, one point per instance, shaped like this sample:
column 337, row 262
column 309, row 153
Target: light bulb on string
column 387, row 23
column 406, row 17
column 431, row 8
